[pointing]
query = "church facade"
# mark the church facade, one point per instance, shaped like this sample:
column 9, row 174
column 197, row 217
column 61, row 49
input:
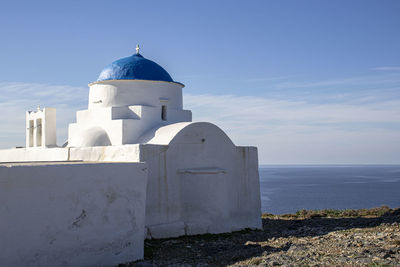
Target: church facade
column 135, row 166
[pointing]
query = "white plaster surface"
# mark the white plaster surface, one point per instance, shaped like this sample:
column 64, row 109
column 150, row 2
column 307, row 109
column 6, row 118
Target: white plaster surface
column 33, row 154
column 120, row 112
column 199, row 179
column 125, row 153
column 72, row 214
column 118, row 93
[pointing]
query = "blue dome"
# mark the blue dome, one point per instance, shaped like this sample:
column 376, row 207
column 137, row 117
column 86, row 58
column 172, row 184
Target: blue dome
column 135, row 67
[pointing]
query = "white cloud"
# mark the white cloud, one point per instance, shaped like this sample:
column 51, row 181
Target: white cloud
column 388, row 68
column 266, row 79
column 288, row 131
column 353, row 129
column 17, row 98
column 351, row 82
column 263, row 111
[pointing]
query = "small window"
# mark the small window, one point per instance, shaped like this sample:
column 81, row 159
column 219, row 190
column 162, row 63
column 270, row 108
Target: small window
column 164, row 113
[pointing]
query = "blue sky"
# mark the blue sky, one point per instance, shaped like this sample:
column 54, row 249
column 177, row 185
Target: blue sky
column 309, row 82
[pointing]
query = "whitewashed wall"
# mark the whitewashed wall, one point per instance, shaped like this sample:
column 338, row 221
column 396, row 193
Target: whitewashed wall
column 120, row 111
column 199, row 182
column 34, row 154
column 122, row 125
column 118, row 93
column 72, row 214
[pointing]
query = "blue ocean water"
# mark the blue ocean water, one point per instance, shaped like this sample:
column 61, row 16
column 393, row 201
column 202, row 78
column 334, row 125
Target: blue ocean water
column 286, row 189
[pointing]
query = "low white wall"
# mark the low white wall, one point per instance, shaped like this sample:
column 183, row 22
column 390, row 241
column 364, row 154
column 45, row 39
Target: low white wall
column 72, row 214
column 33, row 154
column 124, row 153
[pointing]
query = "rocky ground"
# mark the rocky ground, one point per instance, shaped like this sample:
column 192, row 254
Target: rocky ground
column 307, row 238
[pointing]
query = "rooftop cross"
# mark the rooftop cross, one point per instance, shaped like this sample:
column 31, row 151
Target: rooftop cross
column 137, row 49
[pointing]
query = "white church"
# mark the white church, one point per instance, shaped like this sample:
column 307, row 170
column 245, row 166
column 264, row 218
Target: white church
column 134, row 167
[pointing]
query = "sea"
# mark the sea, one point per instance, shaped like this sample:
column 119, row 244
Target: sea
column 289, row 188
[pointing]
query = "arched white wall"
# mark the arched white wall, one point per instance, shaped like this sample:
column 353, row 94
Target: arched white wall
column 199, row 181
column 117, row 93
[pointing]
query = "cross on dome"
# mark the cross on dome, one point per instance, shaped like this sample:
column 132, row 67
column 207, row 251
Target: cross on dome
column 134, row 67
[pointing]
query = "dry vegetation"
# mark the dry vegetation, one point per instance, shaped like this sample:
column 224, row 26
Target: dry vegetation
column 366, row 237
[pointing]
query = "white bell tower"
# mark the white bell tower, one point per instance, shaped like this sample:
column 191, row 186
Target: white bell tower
column 41, row 128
